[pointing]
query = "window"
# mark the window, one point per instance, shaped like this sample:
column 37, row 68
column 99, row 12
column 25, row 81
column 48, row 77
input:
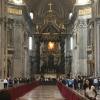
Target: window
column 82, row 2
column 31, row 15
column 18, row 2
column 71, row 43
column 30, row 43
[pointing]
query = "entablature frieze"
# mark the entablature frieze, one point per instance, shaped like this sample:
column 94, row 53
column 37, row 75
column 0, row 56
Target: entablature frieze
column 50, row 37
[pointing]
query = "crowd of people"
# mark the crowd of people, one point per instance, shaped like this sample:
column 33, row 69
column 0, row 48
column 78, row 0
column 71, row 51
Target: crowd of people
column 46, row 80
column 10, row 82
column 89, row 84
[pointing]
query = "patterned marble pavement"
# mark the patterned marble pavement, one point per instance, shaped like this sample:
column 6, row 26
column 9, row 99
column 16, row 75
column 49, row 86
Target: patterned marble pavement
column 43, row 93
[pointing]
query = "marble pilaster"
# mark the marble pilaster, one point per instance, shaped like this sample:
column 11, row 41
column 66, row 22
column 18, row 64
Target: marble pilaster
column 34, row 56
column 83, row 46
column 2, row 38
column 18, row 38
column 62, row 63
column 97, row 47
column 67, row 50
column 26, row 63
column 79, row 60
column 75, row 51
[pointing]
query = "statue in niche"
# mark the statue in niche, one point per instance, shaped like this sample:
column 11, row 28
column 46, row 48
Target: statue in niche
column 10, row 32
column 10, row 38
column 25, row 37
column 43, row 69
column 8, row 67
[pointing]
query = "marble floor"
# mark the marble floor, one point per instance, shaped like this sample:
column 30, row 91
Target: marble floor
column 48, row 93
column 43, row 93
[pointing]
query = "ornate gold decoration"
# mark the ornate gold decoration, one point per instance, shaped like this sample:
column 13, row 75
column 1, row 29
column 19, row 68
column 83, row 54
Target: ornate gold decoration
column 51, row 45
column 50, row 9
column 15, row 11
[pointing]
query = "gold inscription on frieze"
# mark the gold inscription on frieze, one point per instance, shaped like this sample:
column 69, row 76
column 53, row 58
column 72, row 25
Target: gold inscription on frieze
column 14, row 11
column 85, row 11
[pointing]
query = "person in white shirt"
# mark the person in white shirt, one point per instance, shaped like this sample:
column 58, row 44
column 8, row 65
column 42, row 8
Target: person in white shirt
column 89, row 90
column 5, row 83
column 95, row 82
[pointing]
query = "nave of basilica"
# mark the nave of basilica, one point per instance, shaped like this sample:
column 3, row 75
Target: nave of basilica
column 49, row 38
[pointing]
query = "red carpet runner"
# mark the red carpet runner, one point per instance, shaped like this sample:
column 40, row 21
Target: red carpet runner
column 68, row 93
column 15, row 92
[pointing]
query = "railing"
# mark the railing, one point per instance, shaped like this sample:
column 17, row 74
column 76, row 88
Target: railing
column 68, row 93
column 15, row 92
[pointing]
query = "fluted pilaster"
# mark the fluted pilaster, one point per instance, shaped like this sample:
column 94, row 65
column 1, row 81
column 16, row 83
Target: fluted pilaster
column 83, row 47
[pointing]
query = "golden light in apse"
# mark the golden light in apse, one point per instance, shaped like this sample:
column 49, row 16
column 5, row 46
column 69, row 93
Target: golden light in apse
column 51, row 45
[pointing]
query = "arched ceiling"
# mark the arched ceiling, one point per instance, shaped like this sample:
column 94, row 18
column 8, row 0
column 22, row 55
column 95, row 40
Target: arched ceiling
column 61, row 8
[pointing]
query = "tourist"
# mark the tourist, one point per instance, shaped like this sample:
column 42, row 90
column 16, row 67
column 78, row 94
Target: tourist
column 89, row 90
column 95, row 82
column 5, row 83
